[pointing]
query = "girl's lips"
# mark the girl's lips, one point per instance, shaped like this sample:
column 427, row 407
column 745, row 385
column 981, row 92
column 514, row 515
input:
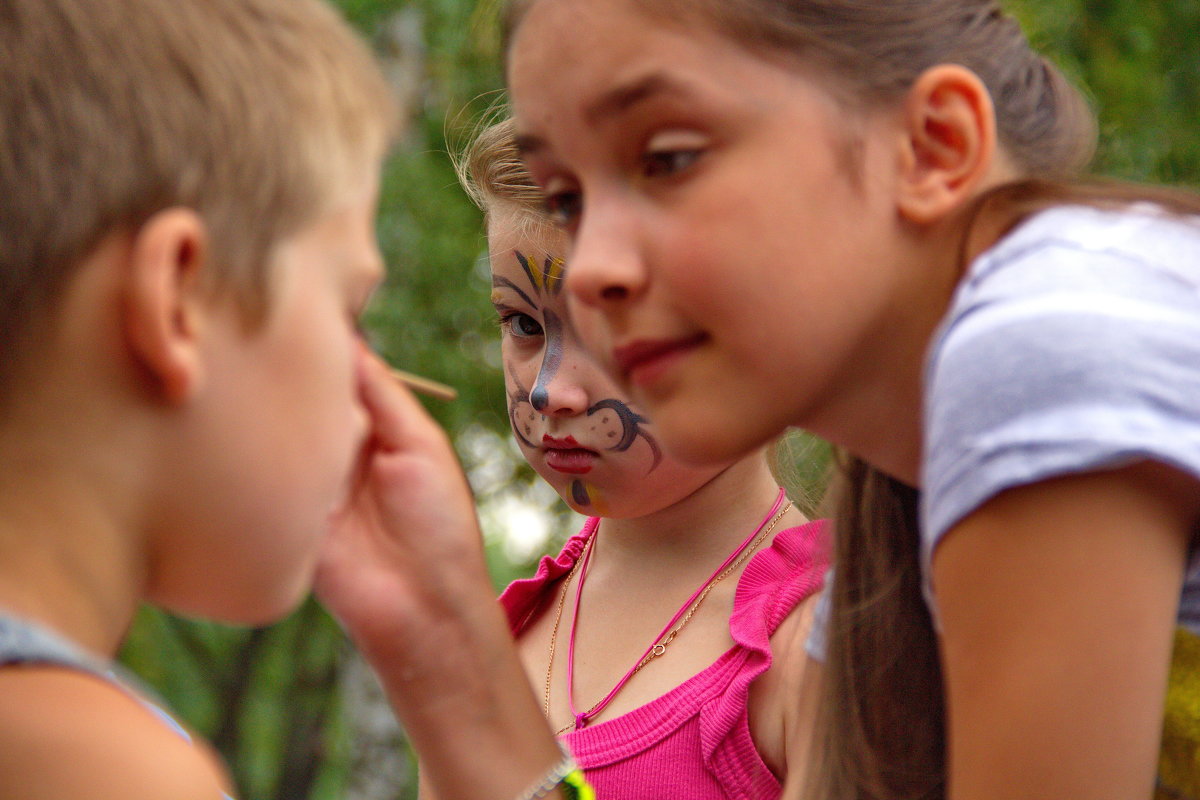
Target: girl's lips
column 573, row 461
column 565, row 443
column 642, row 361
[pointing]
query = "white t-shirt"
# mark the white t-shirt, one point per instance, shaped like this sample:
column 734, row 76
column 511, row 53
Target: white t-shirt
column 1071, row 346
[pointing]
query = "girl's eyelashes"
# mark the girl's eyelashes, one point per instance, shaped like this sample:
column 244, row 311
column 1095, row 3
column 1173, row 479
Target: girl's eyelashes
column 520, row 325
column 666, row 154
column 564, row 207
column 665, row 163
column 562, row 201
column 671, row 151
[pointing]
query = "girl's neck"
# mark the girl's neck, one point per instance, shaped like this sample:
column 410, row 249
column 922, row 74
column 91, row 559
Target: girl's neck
column 880, row 417
column 701, row 528
column 882, row 424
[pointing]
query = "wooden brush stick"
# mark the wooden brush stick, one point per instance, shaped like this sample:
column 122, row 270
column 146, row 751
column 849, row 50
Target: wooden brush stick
column 425, row 386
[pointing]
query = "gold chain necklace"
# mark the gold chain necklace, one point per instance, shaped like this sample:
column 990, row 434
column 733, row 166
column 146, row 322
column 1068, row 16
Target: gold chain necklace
column 660, row 647
column 562, row 598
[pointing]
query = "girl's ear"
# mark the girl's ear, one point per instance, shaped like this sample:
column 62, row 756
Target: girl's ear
column 949, row 143
column 164, row 301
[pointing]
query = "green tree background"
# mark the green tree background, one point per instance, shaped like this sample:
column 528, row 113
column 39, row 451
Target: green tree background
column 271, row 698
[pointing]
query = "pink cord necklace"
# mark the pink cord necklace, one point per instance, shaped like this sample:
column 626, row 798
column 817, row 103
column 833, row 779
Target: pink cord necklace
column 666, row 635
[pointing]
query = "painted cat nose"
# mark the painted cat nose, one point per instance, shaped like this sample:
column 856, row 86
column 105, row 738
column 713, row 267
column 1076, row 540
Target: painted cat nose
column 558, row 396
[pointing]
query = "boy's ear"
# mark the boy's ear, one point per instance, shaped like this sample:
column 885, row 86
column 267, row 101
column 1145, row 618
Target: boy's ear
column 164, row 301
column 949, row 143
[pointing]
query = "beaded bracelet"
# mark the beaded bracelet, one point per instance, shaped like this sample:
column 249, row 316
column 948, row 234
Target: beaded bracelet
column 565, row 774
column 576, row 787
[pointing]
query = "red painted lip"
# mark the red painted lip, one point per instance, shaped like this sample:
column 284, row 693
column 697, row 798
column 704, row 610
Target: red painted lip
column 566, row 443
column 572, row 461
column 643, row 360
column 566, row 455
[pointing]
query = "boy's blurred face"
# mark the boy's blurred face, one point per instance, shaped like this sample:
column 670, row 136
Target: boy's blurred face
column 278, row 422
column 576, row 429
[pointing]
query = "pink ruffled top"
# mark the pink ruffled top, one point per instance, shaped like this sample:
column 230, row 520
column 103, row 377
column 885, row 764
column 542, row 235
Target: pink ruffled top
column 693, row 742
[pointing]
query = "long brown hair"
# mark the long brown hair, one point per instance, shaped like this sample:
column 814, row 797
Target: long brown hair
column 880, row 730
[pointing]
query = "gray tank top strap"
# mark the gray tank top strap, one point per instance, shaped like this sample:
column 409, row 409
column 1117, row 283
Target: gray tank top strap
column 24, row 642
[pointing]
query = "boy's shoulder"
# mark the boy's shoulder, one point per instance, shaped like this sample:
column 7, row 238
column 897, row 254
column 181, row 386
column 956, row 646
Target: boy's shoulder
column 69, row 734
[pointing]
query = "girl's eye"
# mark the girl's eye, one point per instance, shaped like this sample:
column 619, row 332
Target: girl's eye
column 521, row 326
column 664, row 163
column 564, row 208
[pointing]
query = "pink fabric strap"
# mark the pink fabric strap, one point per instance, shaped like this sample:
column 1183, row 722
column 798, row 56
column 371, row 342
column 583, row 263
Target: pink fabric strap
column 581, row 718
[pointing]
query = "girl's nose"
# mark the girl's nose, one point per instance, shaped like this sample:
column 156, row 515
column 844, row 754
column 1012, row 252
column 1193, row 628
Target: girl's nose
column 560, row 393
column 605, row 268
column 559, row 389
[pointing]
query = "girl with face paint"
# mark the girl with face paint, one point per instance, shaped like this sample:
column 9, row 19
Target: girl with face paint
column 626, row 635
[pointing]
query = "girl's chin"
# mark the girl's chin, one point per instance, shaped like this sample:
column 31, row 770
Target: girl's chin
column 717, row 445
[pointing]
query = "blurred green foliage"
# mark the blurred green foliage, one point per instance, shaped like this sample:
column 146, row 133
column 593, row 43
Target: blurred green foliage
column 1140, row 65
column 268, row 697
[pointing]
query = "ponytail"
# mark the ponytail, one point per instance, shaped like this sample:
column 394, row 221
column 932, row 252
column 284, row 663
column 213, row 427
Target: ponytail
column 880, row 731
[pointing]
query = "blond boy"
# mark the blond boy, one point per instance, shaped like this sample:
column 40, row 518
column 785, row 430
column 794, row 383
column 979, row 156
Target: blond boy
column 187, row 193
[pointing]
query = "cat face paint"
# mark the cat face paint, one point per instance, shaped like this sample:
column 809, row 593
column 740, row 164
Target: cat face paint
column 544, row 281
column 586, row 496
column 613, row 423
column 573, row 425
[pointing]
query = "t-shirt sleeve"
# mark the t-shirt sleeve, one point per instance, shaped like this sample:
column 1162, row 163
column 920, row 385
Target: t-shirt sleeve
column 1059, row 359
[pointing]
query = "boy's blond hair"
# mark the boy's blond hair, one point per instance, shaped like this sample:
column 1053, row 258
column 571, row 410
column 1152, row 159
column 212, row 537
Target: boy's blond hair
column 254, row 113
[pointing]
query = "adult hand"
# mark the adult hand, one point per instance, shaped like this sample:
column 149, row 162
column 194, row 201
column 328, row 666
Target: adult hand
column 403, row 570
column 405, row 548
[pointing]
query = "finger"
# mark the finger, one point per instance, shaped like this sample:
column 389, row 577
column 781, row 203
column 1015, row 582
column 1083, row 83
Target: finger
column 398, row 420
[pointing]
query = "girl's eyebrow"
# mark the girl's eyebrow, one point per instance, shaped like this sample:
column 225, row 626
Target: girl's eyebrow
column 614, row 102
column 623, row 97
column 500, row 282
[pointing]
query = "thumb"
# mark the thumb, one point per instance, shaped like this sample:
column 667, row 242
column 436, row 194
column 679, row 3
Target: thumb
column 398, row 420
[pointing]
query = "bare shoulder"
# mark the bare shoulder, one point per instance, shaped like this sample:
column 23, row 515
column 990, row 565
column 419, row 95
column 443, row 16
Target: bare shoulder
column 1080, row 575
column 783, row 701
column 65, row 734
